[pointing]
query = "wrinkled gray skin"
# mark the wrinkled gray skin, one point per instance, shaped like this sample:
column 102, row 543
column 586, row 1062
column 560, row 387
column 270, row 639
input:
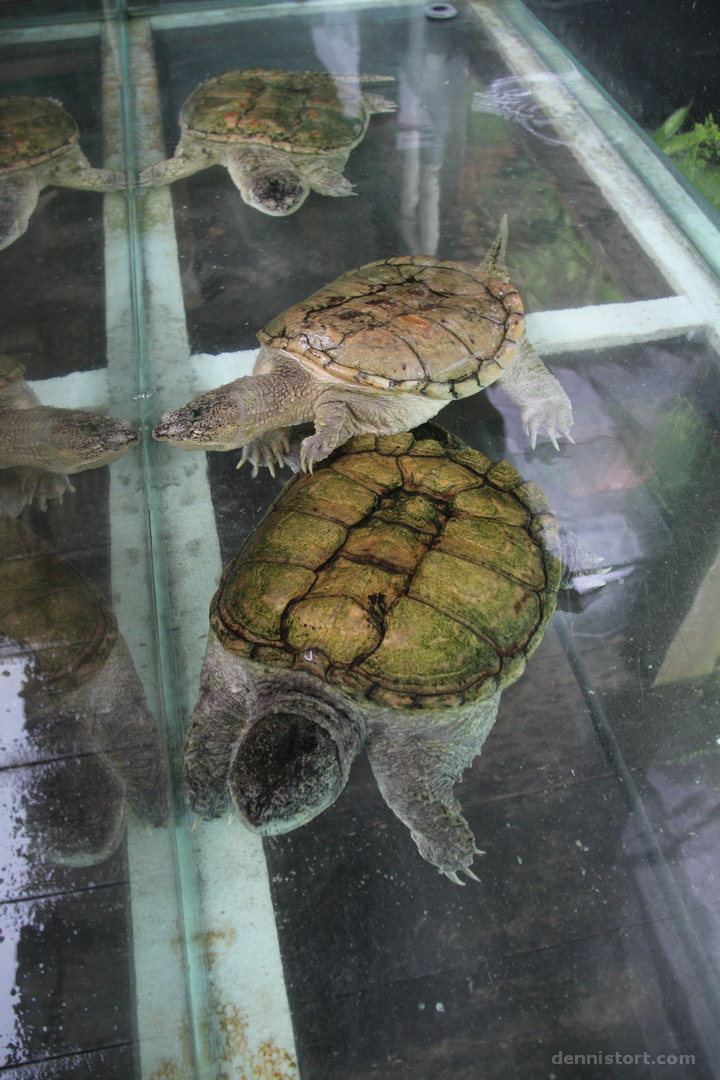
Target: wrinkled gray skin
column 19, row 190
column 280, row 744
column 256, row 411
column 41, row 446
column 97, row 748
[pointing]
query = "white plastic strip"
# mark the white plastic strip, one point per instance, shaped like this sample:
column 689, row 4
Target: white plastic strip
column 27, row 35
column 182, row 19
column 252, row 1028
column 82, row 389
column 606, row 325
column 161, row 994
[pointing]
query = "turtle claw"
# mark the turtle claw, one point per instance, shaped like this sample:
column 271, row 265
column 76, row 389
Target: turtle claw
column 477, row 851
column 468, row 871
column 453, row 877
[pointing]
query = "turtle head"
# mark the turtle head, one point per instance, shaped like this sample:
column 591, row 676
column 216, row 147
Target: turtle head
column 219, row 420
column 291, row 763
column 268, row 182
column 81, row 440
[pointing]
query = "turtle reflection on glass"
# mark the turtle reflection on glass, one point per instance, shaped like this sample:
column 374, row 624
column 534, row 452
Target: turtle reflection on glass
column 40, row 445
column 385, row 601
column 85, row 711
column 39, row 145
column 379, row 350
column 280, row 134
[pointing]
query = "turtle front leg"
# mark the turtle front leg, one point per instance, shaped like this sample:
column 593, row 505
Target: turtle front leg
column 18, row 199
column 270, row 449
column 542, row 400
column 416, row 772
column 75, row 171
column 189, row 158
column 325, row 176
column 340, row 414
column 23, row 484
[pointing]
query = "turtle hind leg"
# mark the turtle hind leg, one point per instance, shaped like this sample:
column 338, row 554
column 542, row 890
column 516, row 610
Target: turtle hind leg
column 18, row 199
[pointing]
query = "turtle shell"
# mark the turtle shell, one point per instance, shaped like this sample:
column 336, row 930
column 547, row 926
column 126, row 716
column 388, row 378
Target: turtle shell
column 295, row 111
column 49, row 614
column 32, row 131
column 411, row 573
column 409, row 323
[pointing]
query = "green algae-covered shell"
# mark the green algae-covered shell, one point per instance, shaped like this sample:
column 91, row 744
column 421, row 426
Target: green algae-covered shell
column 48, row 613
column 409, row 323
column 405, row 571
column 32, row 131
column 295, row 111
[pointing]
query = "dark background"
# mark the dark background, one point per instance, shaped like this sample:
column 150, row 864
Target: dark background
column 652, row 56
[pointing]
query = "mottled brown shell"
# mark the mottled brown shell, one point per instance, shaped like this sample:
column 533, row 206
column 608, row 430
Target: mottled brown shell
column 403, row 571
column 300, row 112
column 410, row 323
column 32, row 131
column 49, row 614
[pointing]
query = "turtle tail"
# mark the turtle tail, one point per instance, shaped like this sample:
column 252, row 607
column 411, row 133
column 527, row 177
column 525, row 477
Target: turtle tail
column 494, row 262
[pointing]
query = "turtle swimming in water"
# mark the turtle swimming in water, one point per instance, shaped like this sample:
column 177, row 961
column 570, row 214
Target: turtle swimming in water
column 39, row 145
column 385, row 602
column 280, row 134
column 379, row 350
column 40, row 445
column 97, row 744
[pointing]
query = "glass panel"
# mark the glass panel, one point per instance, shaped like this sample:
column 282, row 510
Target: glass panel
column 195, row 948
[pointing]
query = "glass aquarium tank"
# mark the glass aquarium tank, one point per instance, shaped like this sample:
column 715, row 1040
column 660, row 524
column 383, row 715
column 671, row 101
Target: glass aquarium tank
column 478, row 512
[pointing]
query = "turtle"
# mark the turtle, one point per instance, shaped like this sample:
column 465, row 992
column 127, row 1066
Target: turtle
column 40, row 445
column 97, row 744
column 39, row 145
column 385, row 601
column 278, row 133
column 378, row 350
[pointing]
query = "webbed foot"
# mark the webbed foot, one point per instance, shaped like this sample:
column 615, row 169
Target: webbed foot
column 554, row 416
column 23, row 484
column 270, row 450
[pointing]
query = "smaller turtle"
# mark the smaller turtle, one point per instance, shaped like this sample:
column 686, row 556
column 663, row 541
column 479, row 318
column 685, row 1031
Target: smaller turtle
column 280, row 134
column 379, row 350
column 85, row 711
column 40, row 444
column 39, row 145
column 384, row 602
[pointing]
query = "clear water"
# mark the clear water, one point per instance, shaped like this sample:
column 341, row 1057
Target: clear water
column 336, row 952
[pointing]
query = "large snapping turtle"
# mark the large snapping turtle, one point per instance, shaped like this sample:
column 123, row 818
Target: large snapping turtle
column 278, row 133
column 85, row 710
column 379, row 350
column 39, row 146
column 385, row 601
